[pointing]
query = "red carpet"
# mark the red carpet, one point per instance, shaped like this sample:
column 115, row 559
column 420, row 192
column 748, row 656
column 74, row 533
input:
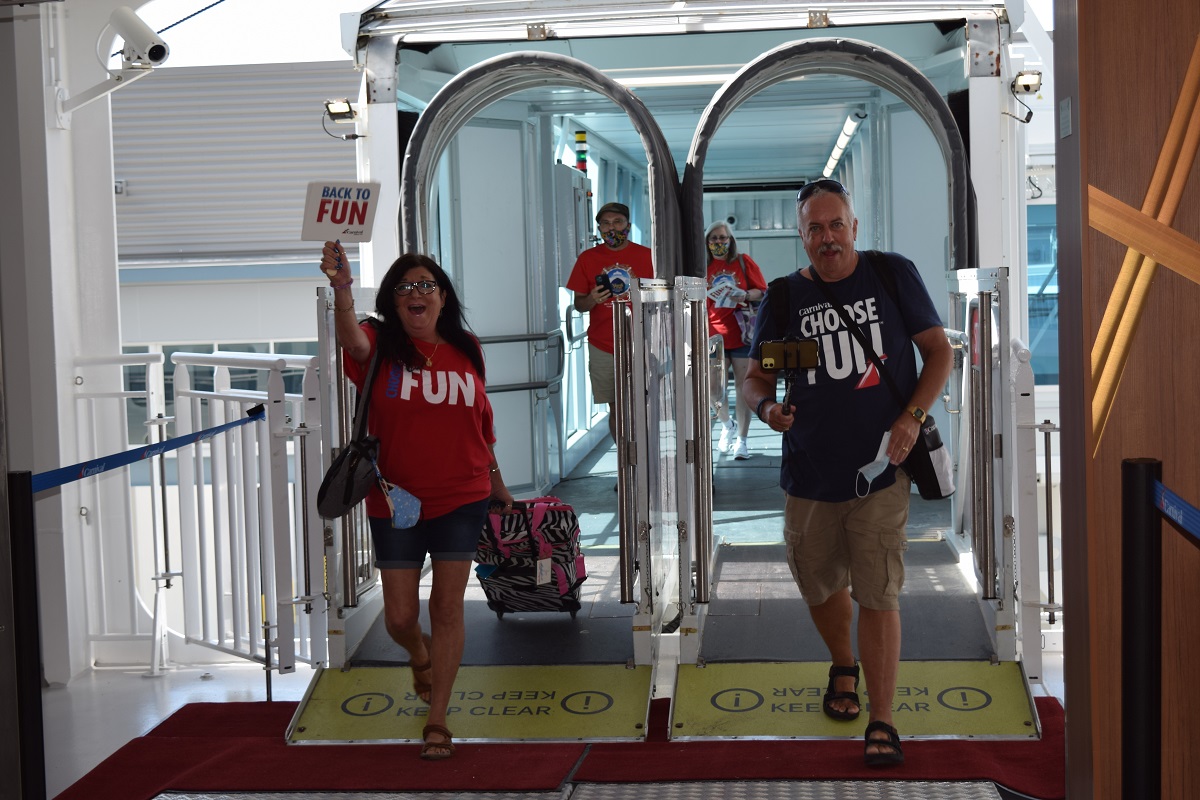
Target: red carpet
column 233, row 747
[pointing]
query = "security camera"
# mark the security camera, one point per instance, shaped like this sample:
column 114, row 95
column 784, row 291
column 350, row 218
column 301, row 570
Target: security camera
column 142, row 47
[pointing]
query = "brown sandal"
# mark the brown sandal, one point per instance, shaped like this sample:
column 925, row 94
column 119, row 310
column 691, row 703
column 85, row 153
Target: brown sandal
column 436, row 751
column 420, row 687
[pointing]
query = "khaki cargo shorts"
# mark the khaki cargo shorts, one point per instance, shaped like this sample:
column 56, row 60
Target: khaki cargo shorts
column 602, row 369
column 859, row 543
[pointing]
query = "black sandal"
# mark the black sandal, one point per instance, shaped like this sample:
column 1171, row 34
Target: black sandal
column 891, row 754
column 831, row 694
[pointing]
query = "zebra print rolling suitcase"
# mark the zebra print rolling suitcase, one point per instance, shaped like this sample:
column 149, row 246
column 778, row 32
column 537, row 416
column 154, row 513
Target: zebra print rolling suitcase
column 530, row 560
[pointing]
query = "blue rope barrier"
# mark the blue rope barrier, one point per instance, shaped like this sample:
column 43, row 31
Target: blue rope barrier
column 1178, row 510
column 57, row 477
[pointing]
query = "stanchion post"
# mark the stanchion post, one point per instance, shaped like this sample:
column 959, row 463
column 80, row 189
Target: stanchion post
column 27, row 635
column 1141, row 629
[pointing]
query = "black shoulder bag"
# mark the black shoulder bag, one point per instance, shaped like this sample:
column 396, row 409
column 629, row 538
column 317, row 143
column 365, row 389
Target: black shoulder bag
column 353, row 472
column 928, row 463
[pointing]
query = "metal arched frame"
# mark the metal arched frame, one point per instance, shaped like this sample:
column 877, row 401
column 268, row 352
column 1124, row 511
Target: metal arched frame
column 496, row 78
column 856, row 59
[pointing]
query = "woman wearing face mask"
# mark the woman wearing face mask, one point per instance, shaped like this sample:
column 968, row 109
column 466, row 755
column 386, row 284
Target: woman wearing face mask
column 601, row 274
column 734, row 282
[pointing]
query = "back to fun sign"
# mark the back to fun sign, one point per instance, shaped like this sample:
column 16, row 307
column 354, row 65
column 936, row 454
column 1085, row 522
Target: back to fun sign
column 339, row 211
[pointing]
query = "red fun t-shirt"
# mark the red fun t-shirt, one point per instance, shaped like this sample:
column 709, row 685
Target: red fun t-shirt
column 435, row 430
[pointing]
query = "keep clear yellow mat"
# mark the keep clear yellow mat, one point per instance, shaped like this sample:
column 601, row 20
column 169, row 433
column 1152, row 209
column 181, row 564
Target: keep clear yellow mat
column 367, row 705
column 772, row 700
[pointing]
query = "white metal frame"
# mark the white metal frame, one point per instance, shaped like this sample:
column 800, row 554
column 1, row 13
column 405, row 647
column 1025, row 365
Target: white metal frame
column 252, row 546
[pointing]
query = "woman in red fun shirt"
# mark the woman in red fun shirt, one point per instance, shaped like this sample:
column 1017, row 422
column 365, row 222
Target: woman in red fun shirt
column 734, row 282
column 431, row 414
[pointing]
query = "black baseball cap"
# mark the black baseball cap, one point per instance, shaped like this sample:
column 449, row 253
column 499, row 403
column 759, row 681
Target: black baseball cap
column 619, row 208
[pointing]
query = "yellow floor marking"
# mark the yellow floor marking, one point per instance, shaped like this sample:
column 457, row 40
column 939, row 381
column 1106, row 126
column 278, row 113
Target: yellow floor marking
column 499, row 703
column 934, row 699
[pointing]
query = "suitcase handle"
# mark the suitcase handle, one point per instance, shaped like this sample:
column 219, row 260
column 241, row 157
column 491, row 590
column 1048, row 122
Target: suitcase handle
column 539, row 506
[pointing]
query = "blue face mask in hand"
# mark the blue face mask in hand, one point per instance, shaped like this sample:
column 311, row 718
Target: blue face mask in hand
column 871, row 471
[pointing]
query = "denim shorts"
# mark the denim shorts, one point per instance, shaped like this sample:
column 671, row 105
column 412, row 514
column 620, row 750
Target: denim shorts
column 739, row 352
column 450, row 537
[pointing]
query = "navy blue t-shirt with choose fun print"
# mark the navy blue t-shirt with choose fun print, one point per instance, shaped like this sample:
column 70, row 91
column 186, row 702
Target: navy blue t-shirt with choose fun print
column 842, row 406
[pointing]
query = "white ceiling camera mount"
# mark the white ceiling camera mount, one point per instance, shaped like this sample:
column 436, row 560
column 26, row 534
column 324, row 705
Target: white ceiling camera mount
column 142, row 51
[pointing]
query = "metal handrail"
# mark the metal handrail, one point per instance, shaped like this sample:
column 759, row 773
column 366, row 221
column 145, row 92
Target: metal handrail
column 984, row 543
column 525, row 386
column 627, row 516
column 702, row 465
column 237, row 360
column 1047, row 428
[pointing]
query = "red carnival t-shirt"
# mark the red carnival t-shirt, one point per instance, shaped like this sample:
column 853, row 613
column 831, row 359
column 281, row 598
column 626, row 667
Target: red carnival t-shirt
column 435, row 429
column 631, row 261
column 722, row 320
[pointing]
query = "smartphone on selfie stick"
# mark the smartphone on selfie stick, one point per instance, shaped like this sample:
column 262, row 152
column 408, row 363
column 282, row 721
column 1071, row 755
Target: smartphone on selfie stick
column 790, row 355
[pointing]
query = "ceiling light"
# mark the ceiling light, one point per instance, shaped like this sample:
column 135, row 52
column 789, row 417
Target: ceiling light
column 662, row 81
column 849, row 127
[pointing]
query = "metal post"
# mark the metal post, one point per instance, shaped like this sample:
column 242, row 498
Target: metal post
column 27, row 636
column 1047, row 429
column 984, row 522
column 627, row 522
column 702, row 467
column 1141, row 629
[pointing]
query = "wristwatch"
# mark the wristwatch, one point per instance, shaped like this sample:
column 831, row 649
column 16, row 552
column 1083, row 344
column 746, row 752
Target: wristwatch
column 918, row 413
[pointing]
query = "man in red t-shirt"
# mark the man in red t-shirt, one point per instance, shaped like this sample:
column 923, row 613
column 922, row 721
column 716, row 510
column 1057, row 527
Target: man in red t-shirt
column 621, row 262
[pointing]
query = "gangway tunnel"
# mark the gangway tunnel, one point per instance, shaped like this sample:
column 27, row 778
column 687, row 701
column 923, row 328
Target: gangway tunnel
column 671, row 606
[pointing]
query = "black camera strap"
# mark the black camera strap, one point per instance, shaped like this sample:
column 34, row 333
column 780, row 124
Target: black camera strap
column 857, row 333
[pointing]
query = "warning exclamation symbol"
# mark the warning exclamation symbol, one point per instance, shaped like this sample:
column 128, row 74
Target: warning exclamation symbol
column 965, row 702
column 587, row 703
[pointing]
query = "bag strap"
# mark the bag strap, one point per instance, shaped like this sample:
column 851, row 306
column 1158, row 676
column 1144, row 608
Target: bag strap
column 856, row 331
column 779, row 300
column 742, row 267
column 363, row 401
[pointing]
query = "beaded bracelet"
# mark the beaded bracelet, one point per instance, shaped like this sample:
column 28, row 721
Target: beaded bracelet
column 758, row 408
column 341, row 285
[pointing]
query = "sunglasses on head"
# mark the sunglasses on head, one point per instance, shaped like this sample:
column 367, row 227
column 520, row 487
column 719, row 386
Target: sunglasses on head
column 405, row 288
column 824, row 185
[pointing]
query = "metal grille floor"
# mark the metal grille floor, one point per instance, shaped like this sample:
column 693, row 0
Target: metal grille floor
column 698, row 790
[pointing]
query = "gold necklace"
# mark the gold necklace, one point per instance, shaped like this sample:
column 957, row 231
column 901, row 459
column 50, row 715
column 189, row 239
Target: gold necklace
column 428, row 358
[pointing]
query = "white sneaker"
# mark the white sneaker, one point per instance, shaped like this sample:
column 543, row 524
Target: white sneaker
column 740, row 451
column 728, row 436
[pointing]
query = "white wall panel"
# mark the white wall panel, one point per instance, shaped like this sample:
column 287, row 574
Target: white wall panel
column 258, row 311
column 216, row 160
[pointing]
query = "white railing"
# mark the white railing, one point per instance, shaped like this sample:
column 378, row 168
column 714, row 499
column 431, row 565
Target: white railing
column 120, row 559
column 251, row 545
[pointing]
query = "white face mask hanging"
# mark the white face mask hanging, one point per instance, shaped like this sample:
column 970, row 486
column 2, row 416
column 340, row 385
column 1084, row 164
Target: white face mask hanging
column 871, row 471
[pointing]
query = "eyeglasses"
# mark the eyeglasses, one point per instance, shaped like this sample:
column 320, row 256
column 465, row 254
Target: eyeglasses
column 404, row 288
column 825, row 185
column 718, row 238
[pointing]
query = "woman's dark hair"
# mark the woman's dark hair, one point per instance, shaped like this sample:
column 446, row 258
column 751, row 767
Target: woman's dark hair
column 394, row 343
column 733, row 248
